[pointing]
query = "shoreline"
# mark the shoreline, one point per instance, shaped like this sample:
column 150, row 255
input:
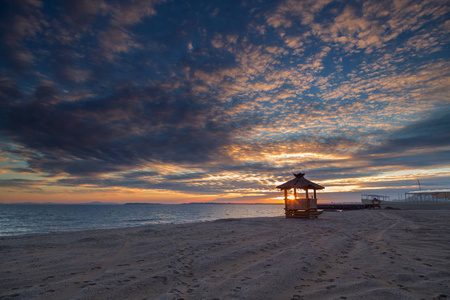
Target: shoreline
column 81, row 231
column 354, row 254
column 30, row 219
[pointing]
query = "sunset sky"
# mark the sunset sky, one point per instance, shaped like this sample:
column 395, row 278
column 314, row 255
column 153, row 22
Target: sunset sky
column 184, row 101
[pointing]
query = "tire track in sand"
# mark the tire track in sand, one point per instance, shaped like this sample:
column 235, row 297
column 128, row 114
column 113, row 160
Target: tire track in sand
column 380, row 234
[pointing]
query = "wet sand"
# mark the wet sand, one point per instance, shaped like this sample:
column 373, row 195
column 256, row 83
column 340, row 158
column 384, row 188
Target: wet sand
column 365, row 254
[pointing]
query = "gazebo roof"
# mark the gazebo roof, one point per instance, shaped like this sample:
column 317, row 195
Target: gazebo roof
column 300, row 182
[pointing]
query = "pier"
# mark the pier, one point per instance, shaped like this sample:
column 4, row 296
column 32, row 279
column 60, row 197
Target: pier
column 342, row 206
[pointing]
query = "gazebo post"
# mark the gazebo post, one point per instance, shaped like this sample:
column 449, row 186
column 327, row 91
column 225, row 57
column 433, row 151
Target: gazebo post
column 315, row 197
column 295, row 194
column 285, row 200
column 307, row 201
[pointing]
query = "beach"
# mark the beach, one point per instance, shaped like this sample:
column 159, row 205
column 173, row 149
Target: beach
column 370, row 254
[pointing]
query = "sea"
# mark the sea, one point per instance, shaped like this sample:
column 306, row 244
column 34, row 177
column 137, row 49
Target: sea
column 22, row 219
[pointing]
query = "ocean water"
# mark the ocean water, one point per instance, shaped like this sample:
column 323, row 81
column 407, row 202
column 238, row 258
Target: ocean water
column 19, row 219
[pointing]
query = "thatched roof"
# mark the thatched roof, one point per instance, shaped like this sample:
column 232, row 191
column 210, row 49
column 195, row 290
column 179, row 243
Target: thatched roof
column 300, row 182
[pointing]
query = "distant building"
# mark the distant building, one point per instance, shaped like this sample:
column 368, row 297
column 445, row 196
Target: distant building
column 428, row 196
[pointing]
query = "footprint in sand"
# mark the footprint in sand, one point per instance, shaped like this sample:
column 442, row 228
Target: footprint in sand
column 161, row 278
column 88, row 284
column 12, row 296
column 48, row 277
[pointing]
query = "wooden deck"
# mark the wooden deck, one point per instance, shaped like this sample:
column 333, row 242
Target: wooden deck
column 303, row 214
column 335, row 206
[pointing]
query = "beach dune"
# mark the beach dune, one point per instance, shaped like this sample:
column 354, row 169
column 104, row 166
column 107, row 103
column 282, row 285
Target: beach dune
column 366, row 254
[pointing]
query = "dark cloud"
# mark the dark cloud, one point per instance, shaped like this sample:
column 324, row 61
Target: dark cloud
column 20, row 21
column 46, row 95
column 25, row 185
column 433, row 131
column 175, row 182
column 22, row 170
column 117, row 132
column 423, row 143
column 140, row 174
column 9, row 91
column 83, row 12
column 430, row 132
column 430, row 158
column 255, row 167
column 187, row 176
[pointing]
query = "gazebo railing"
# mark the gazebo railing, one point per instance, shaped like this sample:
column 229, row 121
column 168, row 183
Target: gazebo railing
column 302, row 203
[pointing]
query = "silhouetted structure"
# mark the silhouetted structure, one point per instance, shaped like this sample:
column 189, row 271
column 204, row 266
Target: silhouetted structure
column 376, row 203
column 301, row 207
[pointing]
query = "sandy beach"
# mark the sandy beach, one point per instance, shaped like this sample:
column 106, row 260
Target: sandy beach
column 366, row 254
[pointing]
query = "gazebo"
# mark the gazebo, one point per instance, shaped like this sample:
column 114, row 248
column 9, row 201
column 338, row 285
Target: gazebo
column 300, row 207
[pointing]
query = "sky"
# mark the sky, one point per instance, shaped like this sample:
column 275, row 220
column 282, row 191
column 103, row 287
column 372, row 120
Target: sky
column 221, row 101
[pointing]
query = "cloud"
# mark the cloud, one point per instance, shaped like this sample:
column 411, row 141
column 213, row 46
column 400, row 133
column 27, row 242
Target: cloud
column 20, row 20
column 140, row 174
column 132, row 12
column 24, row 185
column 111, row 134
column 290, row 12
column 123, row 13
column 354, row 28
column 84, row 11
column 9, row 91
column 22, row 170
column 117, row 40
column 294, row 42
column 217, row 41
column 190, row 97
column 429, row 133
